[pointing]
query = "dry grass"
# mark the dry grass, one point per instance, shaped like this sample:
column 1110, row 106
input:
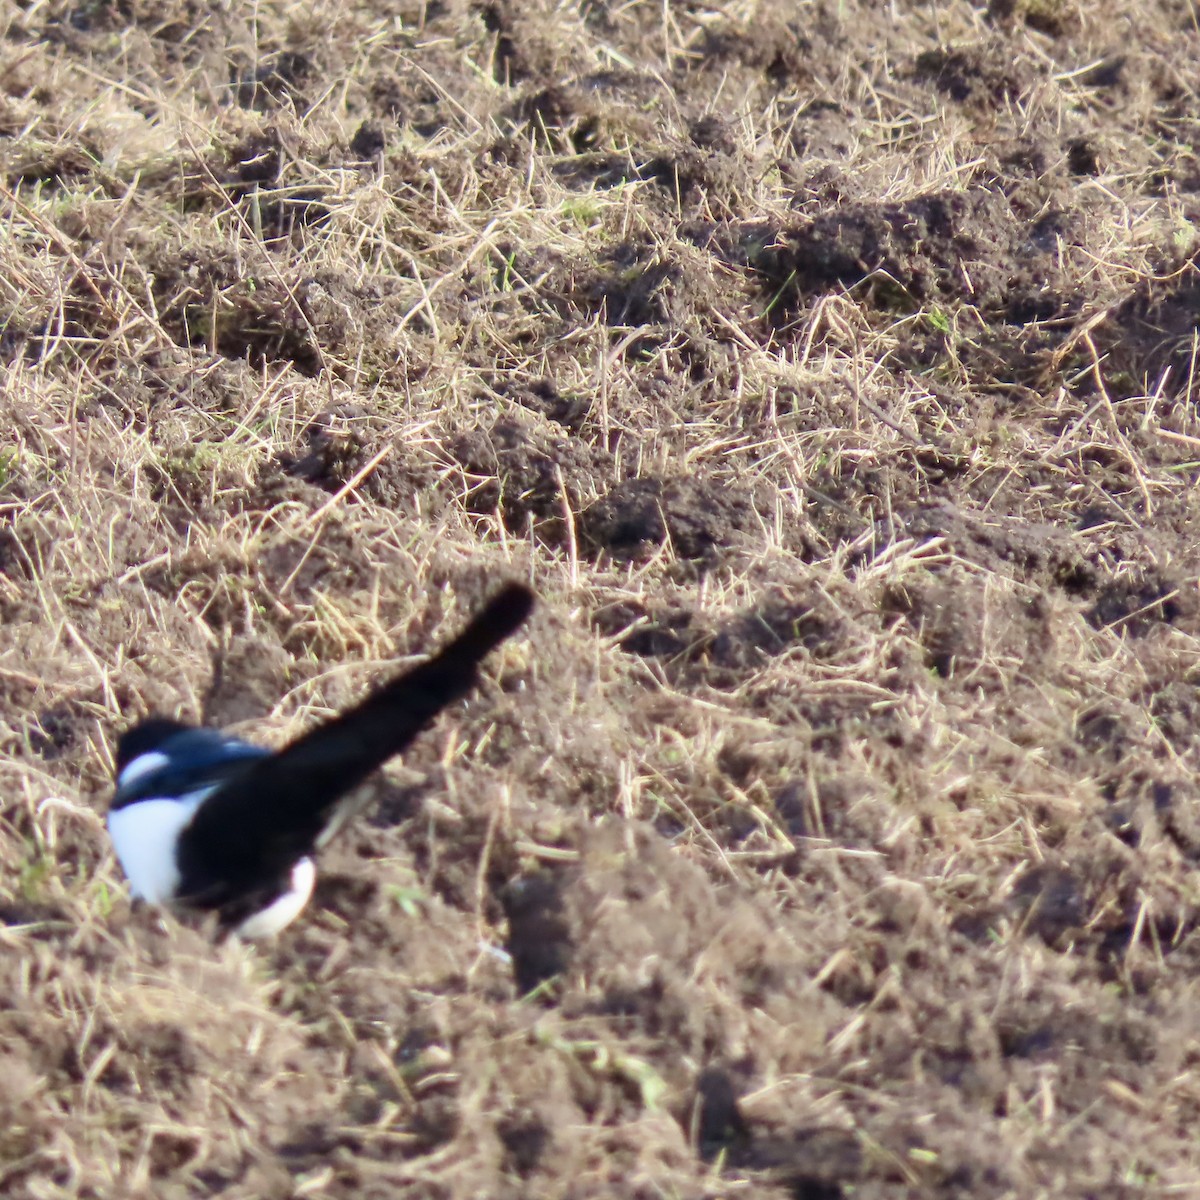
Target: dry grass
column 833, row 383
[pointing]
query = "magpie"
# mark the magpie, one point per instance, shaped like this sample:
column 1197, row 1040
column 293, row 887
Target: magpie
column 207, row 821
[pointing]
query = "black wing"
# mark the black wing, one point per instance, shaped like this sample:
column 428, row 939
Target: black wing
column 195, row 759
column 258, row 825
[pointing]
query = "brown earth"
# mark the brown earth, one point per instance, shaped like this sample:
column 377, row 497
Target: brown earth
column 829, row 368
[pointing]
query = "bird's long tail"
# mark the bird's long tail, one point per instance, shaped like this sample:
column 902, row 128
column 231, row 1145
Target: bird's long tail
column 286, row 805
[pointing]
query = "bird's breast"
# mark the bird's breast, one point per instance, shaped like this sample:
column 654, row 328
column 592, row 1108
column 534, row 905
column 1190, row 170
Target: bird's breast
column 145, row 836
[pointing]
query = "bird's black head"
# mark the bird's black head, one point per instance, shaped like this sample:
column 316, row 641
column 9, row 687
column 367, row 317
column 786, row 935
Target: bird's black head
column 145, row 736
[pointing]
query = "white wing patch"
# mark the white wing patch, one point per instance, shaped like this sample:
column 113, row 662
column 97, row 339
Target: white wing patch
column 145, row 835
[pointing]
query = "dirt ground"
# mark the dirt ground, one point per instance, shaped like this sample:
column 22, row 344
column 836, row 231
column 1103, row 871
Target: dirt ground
column 829, row 368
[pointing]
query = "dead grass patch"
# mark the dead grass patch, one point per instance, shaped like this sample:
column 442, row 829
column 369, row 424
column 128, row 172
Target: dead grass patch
column 831, row 376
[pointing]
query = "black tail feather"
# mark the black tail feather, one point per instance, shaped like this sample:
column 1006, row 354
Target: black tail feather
column 500, row 618
column 278, row 809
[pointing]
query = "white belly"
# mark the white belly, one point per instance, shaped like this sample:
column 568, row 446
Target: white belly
column 283, row 911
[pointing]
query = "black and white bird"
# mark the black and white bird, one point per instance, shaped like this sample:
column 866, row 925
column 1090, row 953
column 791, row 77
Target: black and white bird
column 208, row 821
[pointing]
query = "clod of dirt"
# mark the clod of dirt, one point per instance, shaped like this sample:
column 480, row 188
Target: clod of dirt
column 986, row 75
column 781, row 50
column 539, row 934
column 690, row 175
column 1124, row 588
column 526, row 1138
column 507, row 67
column 369, row 141
column 24, row 547
column 967, row 246
column 665, row 634
column 730, row 651
column 542, row 396
column 778, row 625
column 332, row 441
column 277, row 81
column 712, row 132
column 281, row 198
column 649, row 934
column 637, row 288
column 1055, row 18
column 53, row 731
column 1178, row 809
column 968, row 630
column 1103, row 733
column 1049, row 902
column 210, row 299
column 1083, row 156
column 258, row 159
column 824, row 130
column 815, row 1164
column 1149, row 340
column 737, row 646
column 351, row 897
column 342, row 442
column 1175, row 710
column 1043, row 553
column 1136, row 604
column 697, row 517
column 35, row 163
column 561, row 120
column 249, row 675
column 525, row 45
column 527, row 476
column 720, row 1125
column 207, row 301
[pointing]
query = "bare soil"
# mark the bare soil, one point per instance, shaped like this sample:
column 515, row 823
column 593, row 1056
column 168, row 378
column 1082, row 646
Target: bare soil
column 830, row 370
